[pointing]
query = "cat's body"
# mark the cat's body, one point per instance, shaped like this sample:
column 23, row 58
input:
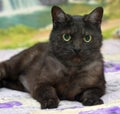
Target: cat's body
column 69, row 66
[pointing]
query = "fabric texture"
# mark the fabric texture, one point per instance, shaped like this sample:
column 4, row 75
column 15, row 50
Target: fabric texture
column 16, row 102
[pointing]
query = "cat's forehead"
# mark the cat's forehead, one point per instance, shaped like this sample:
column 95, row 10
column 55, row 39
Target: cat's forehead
column 79, row 25
column 76, row 24
column 77, row 19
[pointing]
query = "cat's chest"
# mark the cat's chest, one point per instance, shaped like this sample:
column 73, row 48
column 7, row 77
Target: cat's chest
column 69, row 85
column 77, row 80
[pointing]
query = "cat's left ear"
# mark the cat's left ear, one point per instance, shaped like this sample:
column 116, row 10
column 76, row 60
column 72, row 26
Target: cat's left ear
column 58, row 15
column 95, row 16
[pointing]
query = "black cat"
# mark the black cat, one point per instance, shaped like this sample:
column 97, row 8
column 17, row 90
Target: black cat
column 69, row 66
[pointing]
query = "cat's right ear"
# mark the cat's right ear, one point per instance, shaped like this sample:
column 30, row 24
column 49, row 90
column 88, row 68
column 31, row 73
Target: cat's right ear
column 95, row 16
column 58, row 15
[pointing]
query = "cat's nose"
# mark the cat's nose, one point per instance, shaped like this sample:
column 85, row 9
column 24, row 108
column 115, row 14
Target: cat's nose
column 77, row 50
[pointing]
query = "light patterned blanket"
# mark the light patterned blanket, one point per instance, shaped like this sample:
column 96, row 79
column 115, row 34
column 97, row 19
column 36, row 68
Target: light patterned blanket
column 16, row 102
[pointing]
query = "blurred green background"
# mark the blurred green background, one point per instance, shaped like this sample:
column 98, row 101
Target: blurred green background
column 25, row 22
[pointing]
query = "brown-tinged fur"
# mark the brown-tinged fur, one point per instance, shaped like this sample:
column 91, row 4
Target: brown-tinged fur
column 59, row 69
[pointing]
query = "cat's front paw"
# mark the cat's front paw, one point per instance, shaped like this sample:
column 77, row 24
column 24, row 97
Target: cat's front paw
column 47, row 96
column 49, row 103
column 92, row 101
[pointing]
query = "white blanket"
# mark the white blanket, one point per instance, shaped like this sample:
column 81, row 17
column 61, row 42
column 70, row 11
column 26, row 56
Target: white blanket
column 16, row 102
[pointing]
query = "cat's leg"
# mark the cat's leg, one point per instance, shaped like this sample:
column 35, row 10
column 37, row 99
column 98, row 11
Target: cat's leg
column 90, row 97
column 12, row 84
column 2, row 70
column 18, row 63
column 21, row 60
column 1, row 85
column 8, row 78
column 8, row 70
column 47, row 96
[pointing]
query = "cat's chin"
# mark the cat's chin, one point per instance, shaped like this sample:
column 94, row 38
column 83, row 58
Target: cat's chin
column 74, row 62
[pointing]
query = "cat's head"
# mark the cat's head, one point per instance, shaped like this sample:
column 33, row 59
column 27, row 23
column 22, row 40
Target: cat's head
column 76, row 39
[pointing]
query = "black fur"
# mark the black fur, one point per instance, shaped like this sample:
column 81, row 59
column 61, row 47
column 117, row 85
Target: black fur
column 59, row 69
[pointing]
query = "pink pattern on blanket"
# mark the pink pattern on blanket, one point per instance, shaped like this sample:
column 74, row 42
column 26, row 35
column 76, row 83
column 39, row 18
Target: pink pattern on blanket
column 111, row 67
column 111, row 110
column 10, row 104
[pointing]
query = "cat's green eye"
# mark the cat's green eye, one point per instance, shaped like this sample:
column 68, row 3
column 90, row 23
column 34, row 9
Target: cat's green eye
column 66, row 37
column 87, row 38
